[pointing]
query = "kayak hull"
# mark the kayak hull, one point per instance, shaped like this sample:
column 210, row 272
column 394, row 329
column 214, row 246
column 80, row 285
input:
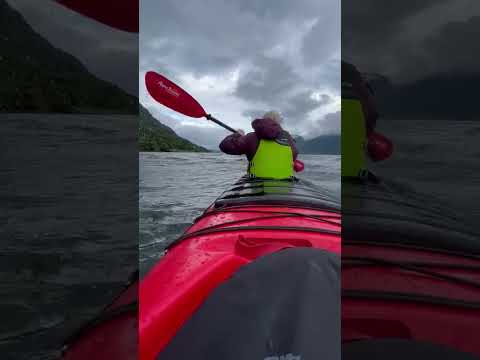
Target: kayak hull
column 410, row 270
column 381, row 302
column 111, row 335
column 233, row 232
column 196, row 265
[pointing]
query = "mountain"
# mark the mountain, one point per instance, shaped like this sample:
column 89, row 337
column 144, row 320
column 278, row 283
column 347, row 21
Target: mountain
column 325, row 144
column 154, row 136
column 37, row 77
column 437, row 97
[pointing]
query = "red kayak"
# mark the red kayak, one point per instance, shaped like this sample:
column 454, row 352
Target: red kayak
column 254, row 219
column 410, row 276
column 250, row 222
column 112, row 334
column 410, row 281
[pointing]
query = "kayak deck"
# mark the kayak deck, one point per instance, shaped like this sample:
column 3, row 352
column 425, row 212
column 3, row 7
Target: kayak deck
column 233, row 232
column 407, row 292
column 410, row 270
column 389, row 212
column 116, row 326
column 280, row 192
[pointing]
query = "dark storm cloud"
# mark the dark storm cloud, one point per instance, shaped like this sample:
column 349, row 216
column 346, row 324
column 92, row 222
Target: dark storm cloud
column 268, row 80
column 283, row 9
column 372, row 24
column 328, row 124
column 263, row 43
column 213, row 35
column 321, row 42
column 273, row 83
column 453, row 48
column 253, row 113
column 108, row 53
column 301, row 104
column 428, row 50
column 408, row 40
column 203, row 38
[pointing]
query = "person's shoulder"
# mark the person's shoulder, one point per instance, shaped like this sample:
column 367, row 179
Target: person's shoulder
column 350, row 72
column 348, row 67
column 285, row 133
column 284, row 137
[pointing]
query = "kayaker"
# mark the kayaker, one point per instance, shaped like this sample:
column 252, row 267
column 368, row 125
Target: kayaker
column 270, row 149
column 359, row 117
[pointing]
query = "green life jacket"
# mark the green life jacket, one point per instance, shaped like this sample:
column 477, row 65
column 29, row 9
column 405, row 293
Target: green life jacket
column 354, row 135
column 273, row 159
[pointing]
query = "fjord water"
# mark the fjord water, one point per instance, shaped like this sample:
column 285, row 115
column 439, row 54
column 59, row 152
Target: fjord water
column 177, row 187
column 68, row 189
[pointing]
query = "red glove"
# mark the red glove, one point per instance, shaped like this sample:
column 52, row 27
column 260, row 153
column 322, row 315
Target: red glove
column 298, row 166
column 379, row 147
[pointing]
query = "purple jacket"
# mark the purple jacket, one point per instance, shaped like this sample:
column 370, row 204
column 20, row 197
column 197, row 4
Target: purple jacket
column 266, row 129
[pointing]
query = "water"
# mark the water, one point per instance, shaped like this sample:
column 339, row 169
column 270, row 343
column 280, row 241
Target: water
column 68, row 190
column 435, row 158
column 177, row 187
column 68, row 184
column 438, row 158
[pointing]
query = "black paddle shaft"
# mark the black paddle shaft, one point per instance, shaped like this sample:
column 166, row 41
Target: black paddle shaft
column 211, row 118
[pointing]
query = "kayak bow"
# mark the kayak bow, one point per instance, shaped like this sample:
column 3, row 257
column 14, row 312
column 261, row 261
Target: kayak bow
column 251, row 220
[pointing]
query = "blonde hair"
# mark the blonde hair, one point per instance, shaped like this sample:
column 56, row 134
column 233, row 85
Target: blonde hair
column 274, row 115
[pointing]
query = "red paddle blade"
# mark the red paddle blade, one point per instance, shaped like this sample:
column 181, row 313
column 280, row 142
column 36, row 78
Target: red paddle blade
column 122, row 15
column 379, row 147
column 172, row 96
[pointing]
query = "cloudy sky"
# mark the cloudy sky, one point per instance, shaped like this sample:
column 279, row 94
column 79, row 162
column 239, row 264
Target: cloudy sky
column 240, row 58
column 410, row 40
column 243, row 57
column 110, row 54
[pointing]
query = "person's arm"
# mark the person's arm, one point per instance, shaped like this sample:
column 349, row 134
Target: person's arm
column 369, row 109
column 234, row 144
column 293, row 146
column 368, row 103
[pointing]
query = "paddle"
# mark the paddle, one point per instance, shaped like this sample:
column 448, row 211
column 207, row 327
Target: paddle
column 174, row 97
column 122, row 15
